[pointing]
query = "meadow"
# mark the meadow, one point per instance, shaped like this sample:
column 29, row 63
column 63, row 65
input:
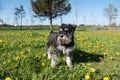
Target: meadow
column 23, row 56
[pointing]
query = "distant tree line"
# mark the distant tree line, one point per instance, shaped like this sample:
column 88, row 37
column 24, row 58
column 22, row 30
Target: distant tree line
column 52, row 9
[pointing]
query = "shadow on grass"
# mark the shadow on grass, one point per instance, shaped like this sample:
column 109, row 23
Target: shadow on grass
column 81, row 56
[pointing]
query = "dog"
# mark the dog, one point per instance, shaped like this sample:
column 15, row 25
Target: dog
column 61, row 42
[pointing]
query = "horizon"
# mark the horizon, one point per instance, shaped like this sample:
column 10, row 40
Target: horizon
column 88, row 12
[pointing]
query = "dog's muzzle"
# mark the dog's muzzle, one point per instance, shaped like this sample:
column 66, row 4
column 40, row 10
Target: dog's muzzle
column 63, row 39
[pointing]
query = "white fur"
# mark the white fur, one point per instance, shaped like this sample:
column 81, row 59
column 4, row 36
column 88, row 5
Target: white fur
column 49, row 53
column 54, row 60
column 68, row 61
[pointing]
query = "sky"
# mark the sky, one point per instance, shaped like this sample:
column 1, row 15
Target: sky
column 89, row 12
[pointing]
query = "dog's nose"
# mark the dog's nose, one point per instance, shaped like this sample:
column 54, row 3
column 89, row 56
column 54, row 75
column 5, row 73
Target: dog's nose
column 61, row 36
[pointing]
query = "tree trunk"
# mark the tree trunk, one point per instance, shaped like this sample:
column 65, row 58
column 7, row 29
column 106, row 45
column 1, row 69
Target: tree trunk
column 51, row 26
column 21, row 22
column 110, row 22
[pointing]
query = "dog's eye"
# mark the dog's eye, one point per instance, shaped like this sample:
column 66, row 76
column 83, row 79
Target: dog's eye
column 60, row 30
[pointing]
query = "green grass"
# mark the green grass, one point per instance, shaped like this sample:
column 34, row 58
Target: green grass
column 23, row 56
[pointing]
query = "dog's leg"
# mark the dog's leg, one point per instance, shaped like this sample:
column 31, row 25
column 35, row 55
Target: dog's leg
column 49, row 52
column 68, row 61
column 54, row 59
column 68, row 57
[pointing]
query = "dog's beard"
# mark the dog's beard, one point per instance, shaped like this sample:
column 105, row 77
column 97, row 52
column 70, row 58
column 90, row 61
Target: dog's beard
column 64, row 40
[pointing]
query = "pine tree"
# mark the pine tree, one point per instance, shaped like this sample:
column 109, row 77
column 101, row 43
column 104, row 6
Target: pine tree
column 50, row 8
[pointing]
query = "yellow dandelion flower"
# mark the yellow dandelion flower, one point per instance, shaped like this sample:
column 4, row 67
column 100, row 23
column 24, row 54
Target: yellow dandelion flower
column 12, row 33
column 105, row 78
column 18, row 35
column 37, row 56
column 43, row 64
column 87, row 76
column 24, row 56
column 7, row 78
column 117, row 54
column 9, row 61
column 1, row 41
column 29, row 50
column 92, row 70
column 105, row 53
column 100, row 58
column 44, row 55
column 3, row 54
column 22, row 53
column 63, row 59
column 111, row 58
column 111, row 41
column 31, row 35
column 21, row 45
column 17, row 58
column 88, row 64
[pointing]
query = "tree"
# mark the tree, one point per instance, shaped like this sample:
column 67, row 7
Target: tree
column 50, row 8
column 20, row 13
column 110, row 13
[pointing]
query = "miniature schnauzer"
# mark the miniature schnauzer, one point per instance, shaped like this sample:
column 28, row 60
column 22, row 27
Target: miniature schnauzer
column 61, row 42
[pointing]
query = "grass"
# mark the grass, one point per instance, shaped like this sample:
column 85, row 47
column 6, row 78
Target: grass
column 23, row 56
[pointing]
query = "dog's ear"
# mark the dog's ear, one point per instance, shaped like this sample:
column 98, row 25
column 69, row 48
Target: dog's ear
column 63, row 25
column 73, row 27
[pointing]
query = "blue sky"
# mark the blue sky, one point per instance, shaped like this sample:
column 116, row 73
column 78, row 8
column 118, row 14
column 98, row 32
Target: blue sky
column 88, row 12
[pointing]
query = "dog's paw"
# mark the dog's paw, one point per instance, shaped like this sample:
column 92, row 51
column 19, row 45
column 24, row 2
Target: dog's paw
column 70, row 65
column 53, row 65
column 49, row 56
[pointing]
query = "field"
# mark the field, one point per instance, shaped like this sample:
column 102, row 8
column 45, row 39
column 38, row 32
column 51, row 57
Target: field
column 23, row 56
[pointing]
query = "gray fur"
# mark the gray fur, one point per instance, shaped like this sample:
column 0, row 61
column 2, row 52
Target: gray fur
column 61, row 42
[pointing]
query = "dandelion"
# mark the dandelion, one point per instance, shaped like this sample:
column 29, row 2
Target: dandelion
column 12, row 44
column 9, row 61
column 88, row 64
column 105, row 53
column 87, row 76
column 1, row 41
column 117, row 54
column 92, row 70
column 44, row 55
column 37, row 56
column 29, row 50
column 24, row 56
column 63, row 59
column 111, row 58
column 100, row 58
column 17, row 58
column 18, row 35
column 21, row 45
column 12, row 33
column 31, row 35
column 7, row 78
column 43, row 64
column 105, row 78
column 3, row 54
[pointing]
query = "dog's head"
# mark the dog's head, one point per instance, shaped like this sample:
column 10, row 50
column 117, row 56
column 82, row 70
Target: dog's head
column 66, row 33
